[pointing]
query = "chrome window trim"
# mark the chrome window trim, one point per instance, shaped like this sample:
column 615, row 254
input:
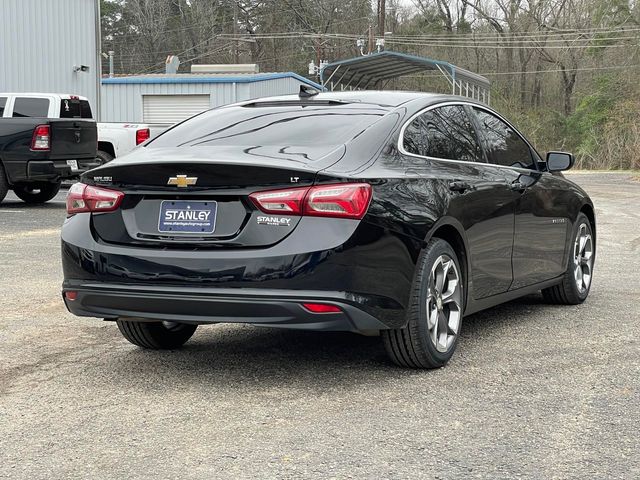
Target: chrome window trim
column 470, row 104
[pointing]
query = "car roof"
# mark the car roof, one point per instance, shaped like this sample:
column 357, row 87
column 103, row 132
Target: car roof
column 386, row 98
column 389, row 98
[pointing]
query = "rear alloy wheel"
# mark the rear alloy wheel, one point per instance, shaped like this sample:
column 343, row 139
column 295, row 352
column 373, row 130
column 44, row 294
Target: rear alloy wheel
column 156, row 335
column 36, row 192
column 576, row 282
column 435, row 313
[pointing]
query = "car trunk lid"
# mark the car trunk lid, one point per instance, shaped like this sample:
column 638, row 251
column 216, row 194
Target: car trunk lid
column 200, row 196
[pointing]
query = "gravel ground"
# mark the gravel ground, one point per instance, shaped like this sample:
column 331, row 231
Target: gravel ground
column 534, row 390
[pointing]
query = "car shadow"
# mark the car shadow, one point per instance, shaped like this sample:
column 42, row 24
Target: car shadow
column 265, row 358
column 10, row 204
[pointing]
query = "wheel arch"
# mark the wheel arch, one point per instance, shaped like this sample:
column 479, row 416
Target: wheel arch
column 588, row 210
column 450, row 230
column 107, row 147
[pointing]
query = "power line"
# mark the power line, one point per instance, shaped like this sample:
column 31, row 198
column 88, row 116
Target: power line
column 507, row 40
column 500, row 47
column 582, row 69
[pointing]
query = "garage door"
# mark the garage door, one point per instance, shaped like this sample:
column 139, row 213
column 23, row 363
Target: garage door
column 172, row 108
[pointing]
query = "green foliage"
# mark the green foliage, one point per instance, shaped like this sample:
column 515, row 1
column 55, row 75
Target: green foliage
column 585, row 125
column 603, row 130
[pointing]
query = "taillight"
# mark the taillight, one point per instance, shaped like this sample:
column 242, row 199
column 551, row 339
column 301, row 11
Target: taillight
column 287, row 202
column 87, row 198
column 341, row 200
column 41, row 139
column 347, row 200
column 142, row 135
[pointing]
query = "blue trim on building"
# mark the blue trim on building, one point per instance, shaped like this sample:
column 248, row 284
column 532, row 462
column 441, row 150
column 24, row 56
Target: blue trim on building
column 199, row 78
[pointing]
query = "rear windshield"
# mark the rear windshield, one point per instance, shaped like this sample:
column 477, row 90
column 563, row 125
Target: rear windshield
column 74, row 108
column 321, row 127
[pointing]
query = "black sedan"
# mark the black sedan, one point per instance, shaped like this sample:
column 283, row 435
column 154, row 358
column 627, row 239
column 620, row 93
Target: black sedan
column 388, row 212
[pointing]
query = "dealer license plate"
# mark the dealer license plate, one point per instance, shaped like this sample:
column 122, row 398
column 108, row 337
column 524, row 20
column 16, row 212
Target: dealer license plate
column 178, row 216
column 73, row 164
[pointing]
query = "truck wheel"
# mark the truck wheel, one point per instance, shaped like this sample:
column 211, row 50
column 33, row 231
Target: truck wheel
column 36, row 192
column 4, row 184
column 104, row 157
column 156, row 335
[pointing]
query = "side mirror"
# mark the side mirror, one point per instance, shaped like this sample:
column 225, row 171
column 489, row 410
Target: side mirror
column 558, row 161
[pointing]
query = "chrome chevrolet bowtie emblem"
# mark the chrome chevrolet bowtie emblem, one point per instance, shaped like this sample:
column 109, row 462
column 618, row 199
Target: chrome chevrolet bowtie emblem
column 182, row 181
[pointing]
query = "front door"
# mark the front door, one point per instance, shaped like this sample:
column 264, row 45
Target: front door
column 540, row 230
column 539, row 246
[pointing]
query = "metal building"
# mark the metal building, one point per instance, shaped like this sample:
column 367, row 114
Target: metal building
column 50, row 46
column 170, row 98
column 375, row 71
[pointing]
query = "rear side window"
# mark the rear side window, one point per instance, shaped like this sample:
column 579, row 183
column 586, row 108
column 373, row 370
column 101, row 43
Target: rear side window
column 31, row 107
column 504, row 146
column 74, row 108
column 3, row 102
column 444, row 132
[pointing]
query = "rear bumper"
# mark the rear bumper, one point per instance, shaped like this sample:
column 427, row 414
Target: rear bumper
column 369, row 277
column 54, row 170
column 274, row 308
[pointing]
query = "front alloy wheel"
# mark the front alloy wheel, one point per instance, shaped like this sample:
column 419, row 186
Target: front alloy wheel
column 583, row 258
column 576, row 281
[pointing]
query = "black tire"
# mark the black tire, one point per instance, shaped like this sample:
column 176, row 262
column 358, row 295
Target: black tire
column 104, row 157
column 40, row 192
column 412, row 345
column 567, row 291
column 4, row 183
column 156, row 335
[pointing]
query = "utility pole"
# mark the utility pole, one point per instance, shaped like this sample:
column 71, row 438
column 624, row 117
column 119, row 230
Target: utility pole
column 111, row 53
column 370, row 39
column 236, row 54
column 381, row 17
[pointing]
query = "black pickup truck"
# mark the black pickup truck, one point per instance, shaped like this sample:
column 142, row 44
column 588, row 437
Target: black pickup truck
column 38, row 152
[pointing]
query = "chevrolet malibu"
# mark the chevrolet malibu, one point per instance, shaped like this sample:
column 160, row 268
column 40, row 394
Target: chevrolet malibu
column 390, row 212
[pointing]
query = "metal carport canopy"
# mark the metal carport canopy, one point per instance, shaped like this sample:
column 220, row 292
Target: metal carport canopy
column 369, row 70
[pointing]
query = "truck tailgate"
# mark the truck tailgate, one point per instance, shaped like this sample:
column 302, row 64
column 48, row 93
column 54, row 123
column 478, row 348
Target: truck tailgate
column 73, row 139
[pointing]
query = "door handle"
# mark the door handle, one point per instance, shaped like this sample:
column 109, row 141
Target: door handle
column 458, row 186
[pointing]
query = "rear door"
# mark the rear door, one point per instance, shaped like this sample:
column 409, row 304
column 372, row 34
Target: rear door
column 477, row 192
column 540, row 227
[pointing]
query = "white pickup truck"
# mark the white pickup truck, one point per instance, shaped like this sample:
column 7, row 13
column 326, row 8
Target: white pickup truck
column 114, row 139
